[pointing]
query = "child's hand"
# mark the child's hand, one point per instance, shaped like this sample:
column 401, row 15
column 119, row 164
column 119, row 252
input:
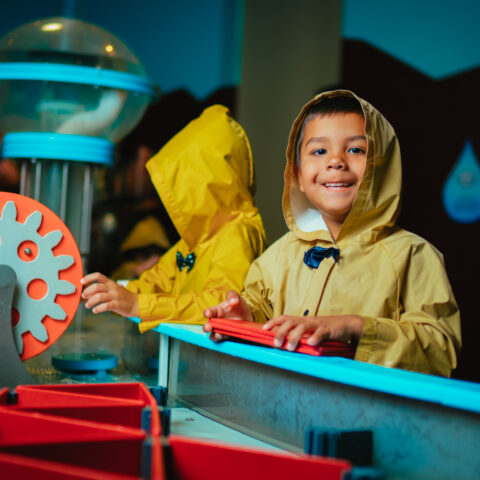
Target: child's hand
column 233, row 307
column 107, row 296
column 342, row 328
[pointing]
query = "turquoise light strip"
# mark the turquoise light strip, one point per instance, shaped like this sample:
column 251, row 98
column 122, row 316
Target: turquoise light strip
column 57, row 72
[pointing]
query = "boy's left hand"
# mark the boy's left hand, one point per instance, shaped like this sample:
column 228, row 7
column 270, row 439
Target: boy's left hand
column 342, row 328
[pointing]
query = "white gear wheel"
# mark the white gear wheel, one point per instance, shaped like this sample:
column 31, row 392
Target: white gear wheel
column 45, row 266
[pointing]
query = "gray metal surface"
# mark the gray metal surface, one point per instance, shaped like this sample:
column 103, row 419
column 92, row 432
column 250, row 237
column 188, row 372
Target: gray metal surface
column 12, row 371
column 412, row 439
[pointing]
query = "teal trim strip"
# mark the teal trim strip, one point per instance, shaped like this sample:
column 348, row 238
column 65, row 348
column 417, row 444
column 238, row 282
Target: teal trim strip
column 57, row 146
column 448, row 392
column 57, row 72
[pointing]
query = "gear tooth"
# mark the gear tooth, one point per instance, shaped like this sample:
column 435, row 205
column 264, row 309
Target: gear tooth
column 53, row 238
column 9, row 211
column 39, row 332
column 63, row 287
column 64, row 261
column 34, row 220
column 56, row 312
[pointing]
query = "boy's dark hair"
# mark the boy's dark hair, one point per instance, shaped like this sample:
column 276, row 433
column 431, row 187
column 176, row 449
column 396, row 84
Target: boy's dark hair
column 328, row 106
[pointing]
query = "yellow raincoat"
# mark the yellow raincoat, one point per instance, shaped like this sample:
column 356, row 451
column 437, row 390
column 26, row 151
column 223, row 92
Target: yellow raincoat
column 392, row 278
column 205, row 179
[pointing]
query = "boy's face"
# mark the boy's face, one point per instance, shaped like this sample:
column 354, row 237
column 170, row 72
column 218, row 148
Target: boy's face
column 333, row 155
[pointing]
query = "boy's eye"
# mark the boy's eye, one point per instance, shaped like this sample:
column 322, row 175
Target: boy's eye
column 319, row 151
column 356, row 150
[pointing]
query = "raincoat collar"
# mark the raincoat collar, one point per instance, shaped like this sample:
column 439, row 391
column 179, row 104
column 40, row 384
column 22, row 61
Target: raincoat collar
column 204, row 175
column 377, row 204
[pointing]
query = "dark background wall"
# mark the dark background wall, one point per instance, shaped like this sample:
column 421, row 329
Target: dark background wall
column 419, row 64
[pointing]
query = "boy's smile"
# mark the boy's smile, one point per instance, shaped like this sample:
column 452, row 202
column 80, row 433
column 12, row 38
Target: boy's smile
column 333, row 156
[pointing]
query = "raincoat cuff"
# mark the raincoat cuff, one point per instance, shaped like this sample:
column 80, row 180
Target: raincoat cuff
column 367, row 339
column 145, row 307
column 145, row 313
column 131, row 286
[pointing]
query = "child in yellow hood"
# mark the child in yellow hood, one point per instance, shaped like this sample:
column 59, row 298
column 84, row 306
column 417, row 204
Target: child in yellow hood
column 205, row 179
column 345, row 271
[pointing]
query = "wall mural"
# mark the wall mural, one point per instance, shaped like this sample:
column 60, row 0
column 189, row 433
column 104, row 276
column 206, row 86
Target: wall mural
column 461, row 192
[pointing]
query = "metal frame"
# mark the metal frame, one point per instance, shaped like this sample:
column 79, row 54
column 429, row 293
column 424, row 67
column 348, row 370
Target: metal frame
column 424, row 427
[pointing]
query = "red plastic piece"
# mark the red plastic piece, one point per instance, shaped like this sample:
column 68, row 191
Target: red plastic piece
column 23, row 468
column 115, row 449
column 3, row 395
column 199, row 459
column 119, row 404
column 253, row 332
column 79, row 431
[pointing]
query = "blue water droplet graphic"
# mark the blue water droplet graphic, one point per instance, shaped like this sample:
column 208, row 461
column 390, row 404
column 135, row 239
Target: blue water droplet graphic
column 461, row 192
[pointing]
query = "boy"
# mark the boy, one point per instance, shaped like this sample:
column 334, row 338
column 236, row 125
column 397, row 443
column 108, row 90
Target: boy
column 345, row 271
column 204, row 176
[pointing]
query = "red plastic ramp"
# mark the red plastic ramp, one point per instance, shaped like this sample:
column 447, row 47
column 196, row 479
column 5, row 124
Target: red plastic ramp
column 119, row 404
column 106, row 447
column 23, row 468
column 193, row 459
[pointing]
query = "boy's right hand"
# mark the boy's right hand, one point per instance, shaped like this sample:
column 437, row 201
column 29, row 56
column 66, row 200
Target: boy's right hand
column 104, row 295
column 234, row 307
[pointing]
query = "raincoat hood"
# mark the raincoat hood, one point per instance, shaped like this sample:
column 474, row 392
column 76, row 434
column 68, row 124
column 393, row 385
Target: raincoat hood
column 202, row 177
column 377, row 203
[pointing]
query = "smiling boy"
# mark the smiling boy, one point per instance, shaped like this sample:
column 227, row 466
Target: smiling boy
column 345, row 271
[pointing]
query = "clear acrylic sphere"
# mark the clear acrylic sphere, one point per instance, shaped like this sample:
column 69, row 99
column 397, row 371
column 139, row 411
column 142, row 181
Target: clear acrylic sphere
column 70, row 104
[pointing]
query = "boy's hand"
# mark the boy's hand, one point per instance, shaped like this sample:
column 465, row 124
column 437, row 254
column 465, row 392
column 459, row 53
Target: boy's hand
column 233, row 307
column 105, row 295
column 342, row 328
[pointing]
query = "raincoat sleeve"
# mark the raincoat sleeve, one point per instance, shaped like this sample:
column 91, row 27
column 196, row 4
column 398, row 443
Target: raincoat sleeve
column 259, row 283
column 255, row 294
column 426, row 335
column 159, row 278
column 225, row 270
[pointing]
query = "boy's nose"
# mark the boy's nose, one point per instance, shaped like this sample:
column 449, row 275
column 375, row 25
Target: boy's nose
column 336, row 162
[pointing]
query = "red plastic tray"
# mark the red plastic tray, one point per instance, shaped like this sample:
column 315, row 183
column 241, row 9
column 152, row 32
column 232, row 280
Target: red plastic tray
column 253, row 332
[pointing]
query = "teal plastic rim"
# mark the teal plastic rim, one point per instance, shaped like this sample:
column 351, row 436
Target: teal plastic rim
column 57, row 146
column 85, row 362
column 58, row 72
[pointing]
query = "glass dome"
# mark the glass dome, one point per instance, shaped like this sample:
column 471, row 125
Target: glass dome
column 63, row 75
